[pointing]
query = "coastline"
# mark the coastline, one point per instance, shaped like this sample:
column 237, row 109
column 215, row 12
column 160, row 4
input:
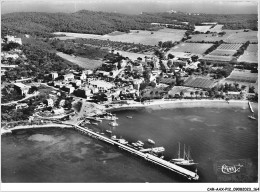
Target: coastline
column 52, row 125
column 185, row 103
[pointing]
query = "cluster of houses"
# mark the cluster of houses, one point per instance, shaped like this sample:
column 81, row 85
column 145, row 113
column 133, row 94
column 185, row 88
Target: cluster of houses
column 13, row 54
column 122, row 79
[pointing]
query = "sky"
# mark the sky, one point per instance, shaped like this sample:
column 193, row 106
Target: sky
column 132, row 6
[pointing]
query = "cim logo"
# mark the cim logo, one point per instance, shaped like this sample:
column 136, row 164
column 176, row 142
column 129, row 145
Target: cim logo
column 234, row 170
column 226, row 169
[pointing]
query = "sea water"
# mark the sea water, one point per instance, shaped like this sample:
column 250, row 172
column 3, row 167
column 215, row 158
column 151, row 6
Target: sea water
column 65, row 155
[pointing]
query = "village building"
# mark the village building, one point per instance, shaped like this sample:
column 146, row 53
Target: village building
column 21, row 106
column 49, row 102
column 68, row 77
column 62, row 103
column 22, row 88
column 68, row 88
column 23, row 80
column 101, row 85
column 54, row 75
column 58, row 111
column 13, row 39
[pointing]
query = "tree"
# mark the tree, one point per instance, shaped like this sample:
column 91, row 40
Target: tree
column 191, row 93
column 196, row 93
column 181, row 94
column 160, row 43
column 201, row 94
column 206, row 94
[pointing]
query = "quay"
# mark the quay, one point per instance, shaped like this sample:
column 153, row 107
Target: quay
column 170, row 166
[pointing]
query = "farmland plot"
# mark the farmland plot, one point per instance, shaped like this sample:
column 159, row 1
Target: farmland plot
column 81, row 61
column 202, row 29
column 250, row 54
column 229, row 46
column 217, row 28
column 243, row 76
column 135, row 36
column 224, row 52
column 231, row 36
column 197, row 48
column 199, row 82
column 252, row 48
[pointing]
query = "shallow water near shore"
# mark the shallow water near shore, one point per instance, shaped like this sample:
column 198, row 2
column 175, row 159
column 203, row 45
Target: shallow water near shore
column 65, row 155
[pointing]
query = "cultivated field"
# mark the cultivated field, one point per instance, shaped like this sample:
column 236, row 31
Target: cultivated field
column 197, row 48
column 229, row 46
column 224, row 52
column 217, row 58
column 199, row 82
column 243, row 76
column 231, row 36
column 202, row 29
column 217, row 28
column 135, row 36
column 219, row 52
column 250, row 54
column 252, row 48
column 82, row 62
column 132, row 56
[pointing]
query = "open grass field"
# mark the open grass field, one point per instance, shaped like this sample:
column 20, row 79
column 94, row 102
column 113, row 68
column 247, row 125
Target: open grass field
column 135, row 36
column 81, row 61
column 250, row 54
column 231, row 36
column 197, row 48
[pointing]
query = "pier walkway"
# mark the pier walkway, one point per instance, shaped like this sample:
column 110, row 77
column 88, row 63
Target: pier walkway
column 170, row 166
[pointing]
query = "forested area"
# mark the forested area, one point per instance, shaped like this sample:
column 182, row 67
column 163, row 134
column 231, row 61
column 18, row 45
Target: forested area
column 40, row 59
column 42, row 24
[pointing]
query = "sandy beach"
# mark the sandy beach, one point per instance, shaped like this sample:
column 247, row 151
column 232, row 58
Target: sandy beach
column 186, row 103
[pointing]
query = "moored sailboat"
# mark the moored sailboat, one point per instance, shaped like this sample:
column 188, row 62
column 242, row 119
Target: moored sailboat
column 186, row 160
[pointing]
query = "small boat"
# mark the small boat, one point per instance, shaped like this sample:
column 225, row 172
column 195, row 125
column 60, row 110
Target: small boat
column 129, row 117
column 113, row 137
column 122, row 141
column 252, row 117
column 114, row 123
column 134, row 144
column 140, row 142
column 108, row 131
column 151, row 141
column 94, row 123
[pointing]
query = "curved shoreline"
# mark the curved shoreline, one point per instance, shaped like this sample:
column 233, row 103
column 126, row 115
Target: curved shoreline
column 184, row 103
column 19, row 127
